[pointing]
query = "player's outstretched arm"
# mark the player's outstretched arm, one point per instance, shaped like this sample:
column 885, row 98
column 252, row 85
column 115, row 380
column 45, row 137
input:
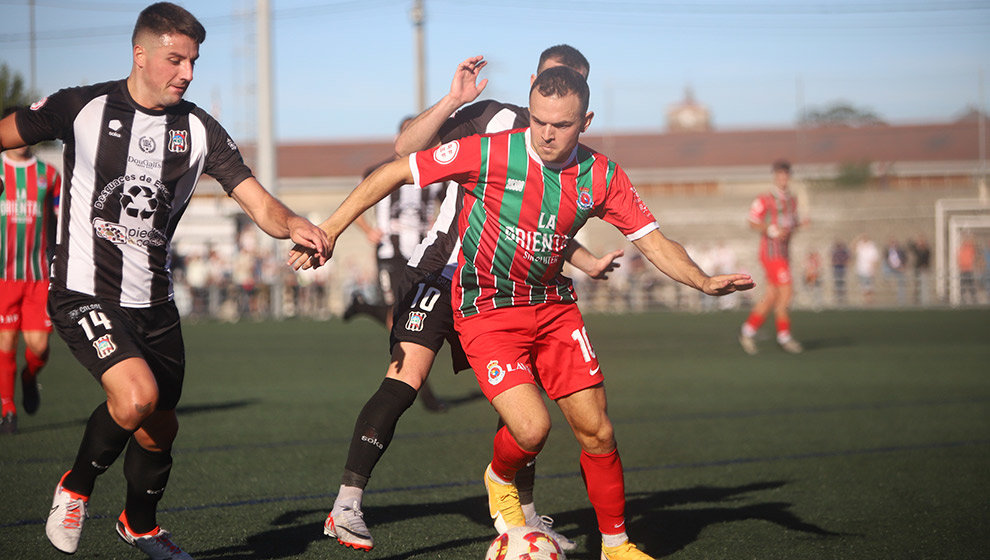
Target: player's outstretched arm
column 275, row 219
column 376, row 186
column 670, row 258
column 587, row 262
column 421, row 132
column 10, row 137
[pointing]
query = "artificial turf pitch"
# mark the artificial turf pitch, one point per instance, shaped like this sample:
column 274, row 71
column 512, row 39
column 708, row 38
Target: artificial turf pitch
column 873, row 444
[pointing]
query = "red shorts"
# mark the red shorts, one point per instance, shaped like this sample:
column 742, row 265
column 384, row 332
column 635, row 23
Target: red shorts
column 23, row 306
column 544, row 344
column 778, row 271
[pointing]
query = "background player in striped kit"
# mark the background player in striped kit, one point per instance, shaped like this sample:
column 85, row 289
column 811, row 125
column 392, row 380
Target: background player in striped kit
column 134, row 152
column 402, row 219
column 516, row 316
column 29, row 191
column 774, row 215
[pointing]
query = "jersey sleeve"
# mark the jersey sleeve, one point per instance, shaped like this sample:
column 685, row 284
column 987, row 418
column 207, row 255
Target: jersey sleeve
column 457, row 160
column 625, row 210
column 50, row 118
column 223, row 160
column 757, row 210
column 483, row 117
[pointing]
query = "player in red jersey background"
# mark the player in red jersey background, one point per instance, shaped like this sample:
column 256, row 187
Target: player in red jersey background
column 29, row 191
column 774, row 215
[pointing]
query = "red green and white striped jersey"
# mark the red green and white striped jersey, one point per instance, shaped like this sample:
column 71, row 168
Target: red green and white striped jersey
column 778, row 208
column 519, row 214
column 29, row 193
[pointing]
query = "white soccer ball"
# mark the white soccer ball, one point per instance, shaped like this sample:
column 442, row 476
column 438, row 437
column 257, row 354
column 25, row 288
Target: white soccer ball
column 524, row 543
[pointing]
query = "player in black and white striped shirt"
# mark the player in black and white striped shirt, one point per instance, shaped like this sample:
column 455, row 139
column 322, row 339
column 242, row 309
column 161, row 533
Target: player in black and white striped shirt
column 133, row 153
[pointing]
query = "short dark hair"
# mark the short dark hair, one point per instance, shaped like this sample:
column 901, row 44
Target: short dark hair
column 166, row 17
column 567, row 56
column 10, row 110
column 560, row 81
column 782, row 165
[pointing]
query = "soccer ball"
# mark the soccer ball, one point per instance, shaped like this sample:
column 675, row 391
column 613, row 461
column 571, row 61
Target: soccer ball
column 524, row 543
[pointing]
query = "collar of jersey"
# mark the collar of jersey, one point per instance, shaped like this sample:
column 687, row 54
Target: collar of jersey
column 556, row 167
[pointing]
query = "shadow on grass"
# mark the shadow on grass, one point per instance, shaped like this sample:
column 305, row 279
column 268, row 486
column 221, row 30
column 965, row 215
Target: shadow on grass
column 655, row 521
column 182, row 411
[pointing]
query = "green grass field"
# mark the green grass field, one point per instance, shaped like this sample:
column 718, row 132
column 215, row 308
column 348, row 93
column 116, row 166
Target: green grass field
column 874, row 444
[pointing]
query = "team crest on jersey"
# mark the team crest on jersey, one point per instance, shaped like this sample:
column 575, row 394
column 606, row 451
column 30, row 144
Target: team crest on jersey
column 147, row 144
column 585, row 201
column 177, row 141
column 104, row 346
column 446, row 153
column 495, row 372
column 39, row 104
column 415, row 322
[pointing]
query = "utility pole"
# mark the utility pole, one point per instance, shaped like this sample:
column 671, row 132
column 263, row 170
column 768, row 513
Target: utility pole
column 267, row 169
column 34, row 55
column 418, row 15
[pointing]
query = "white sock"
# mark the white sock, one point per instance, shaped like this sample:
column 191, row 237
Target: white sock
column 529, row 510
column 614, row 540
column 748, row 331
column 783, row 337
column 496, row 478
column 348, row 496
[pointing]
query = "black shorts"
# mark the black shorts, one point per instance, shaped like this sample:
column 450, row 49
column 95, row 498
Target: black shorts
column 102, row 334
column 390, row 273
column 423, row 315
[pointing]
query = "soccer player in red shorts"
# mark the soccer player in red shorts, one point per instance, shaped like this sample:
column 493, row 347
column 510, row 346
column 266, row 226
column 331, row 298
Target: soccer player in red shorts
column 528, row 192
column 29, row 191
column 774, row 215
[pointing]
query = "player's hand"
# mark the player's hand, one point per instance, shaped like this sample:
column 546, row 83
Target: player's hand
column 727, row 283
column 465, row 87
column 309, row 239
column 605, row 264
column 305, row 258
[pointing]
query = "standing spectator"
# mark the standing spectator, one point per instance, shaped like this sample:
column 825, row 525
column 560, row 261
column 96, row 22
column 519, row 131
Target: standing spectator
column 774, row 215
column 966, row 264
column 921, row 256
column 894, row 264
column 813, row 277
column 29, row 192
column 867, row 260
column 840, row 259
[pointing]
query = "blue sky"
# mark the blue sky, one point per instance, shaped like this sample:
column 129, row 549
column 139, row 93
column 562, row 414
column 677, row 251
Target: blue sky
column 345, row 69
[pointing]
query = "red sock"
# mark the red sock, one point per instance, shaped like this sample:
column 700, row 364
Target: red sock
column 783, row 326
column 755, row 321
column 34, row 363
column 508, row 457
column 606, row 490
column 8, row 380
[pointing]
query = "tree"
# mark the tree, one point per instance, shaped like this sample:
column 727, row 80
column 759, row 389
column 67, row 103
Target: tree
column 12, row 89
column 840, row 113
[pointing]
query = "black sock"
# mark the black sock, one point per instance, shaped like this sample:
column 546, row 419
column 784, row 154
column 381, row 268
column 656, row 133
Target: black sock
column 102, row 443
column 374, row 428
column 147, row 474
column 525, row 478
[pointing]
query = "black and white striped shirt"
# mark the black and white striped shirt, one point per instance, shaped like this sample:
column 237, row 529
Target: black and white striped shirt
column 437, row 254
column 129, row 173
